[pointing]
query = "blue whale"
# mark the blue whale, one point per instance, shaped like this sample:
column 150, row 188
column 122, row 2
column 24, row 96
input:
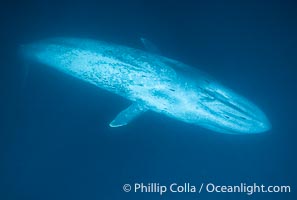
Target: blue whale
column 151, row 82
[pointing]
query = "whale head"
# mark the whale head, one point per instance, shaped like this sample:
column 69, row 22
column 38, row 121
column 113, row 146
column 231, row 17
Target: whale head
column 222, row 110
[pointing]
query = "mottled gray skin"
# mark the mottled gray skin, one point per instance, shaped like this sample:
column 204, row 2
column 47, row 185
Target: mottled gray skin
column 155, row 82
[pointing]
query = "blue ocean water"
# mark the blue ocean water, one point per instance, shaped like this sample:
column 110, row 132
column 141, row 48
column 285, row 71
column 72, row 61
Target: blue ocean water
column 55, row 142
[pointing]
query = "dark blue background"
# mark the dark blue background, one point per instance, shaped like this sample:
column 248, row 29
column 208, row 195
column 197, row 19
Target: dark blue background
column 55, row 142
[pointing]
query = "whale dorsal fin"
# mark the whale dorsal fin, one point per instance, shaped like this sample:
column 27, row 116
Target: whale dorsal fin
column 128, row 115
column 149, row 46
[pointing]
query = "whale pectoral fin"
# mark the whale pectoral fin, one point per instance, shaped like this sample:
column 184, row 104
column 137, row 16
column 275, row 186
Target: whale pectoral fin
column 127, row 115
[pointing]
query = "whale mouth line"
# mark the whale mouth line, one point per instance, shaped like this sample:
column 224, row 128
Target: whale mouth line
column 226, row 101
